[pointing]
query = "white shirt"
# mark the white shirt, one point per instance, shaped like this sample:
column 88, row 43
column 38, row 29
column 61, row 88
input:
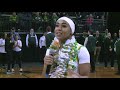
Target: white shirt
column 17, row 49
column 2, row 45
column 35, row 39
column 49, row 32
column 42, row 41
column 83, row 54
column 115, row 44
column 86, row 40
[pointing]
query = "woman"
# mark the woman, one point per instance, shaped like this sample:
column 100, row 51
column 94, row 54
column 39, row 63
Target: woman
column 17, row 50
column 42, row 45
column 9, row 49
column 72, row 59
column 109, row 48
column 2, row 50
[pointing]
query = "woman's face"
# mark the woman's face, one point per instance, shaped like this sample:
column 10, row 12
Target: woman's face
column 16, row 38
column 62, row 30
column 31, row 31
column 97, row 32
column 109, row 35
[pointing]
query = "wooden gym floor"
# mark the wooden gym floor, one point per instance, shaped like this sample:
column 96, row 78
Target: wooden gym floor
column 33, row 70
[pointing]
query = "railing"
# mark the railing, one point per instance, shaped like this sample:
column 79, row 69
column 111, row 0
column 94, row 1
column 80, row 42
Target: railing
column 98, row 24
column 5, row 25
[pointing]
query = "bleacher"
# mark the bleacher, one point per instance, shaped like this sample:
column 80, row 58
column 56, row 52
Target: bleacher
column 98, row 24
column 79, row 19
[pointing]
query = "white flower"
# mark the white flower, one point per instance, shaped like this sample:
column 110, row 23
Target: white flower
column 71, row 63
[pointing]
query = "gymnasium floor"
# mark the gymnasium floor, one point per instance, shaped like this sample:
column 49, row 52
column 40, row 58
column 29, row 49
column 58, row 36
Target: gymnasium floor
column 33, row 70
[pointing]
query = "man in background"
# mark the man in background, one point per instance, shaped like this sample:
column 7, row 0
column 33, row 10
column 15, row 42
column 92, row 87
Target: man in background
column 49, row 37
column 31, row 43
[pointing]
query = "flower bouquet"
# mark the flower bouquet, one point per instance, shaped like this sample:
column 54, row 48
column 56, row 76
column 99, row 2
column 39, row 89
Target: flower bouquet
column 54, row 47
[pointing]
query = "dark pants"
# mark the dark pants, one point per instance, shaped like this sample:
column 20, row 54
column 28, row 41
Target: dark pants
column 17, row 59
column 92, row 61
column 97, row 51
column 118, row 62
column 106, row 59
column 9, row 57
column 109, row 58
column 42, row 53
column 3, row 58
column 31, row 53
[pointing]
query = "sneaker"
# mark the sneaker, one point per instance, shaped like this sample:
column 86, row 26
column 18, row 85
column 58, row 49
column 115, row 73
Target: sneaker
column 8, row 72
column 21, row 71
column 13, row 71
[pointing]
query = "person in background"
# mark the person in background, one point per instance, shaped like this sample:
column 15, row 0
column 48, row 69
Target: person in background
column 81, row 38
column 90, row 21
column 13, row 20
column 2, row 50
column 9, row 49
column 117, row 50
column 17, row 50
column 115, row 38
column 42, row 45
column 106, row 33
column 32, row 44
column 98, row 47
column 90, row 45
column 109, row 48
column 49, row 37
column 14, row 33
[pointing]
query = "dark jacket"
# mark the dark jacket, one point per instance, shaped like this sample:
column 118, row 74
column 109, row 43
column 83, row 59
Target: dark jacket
column 32, row 40
column 81, row 40
column 49, row 37
column 98, row 41
column 91, row 43
column 8, row 45
column 108, row 43
column 117, row 44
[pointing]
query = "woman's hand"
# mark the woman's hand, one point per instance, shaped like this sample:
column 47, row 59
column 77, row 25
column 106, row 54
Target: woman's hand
column 72, row 74
column 48, row 60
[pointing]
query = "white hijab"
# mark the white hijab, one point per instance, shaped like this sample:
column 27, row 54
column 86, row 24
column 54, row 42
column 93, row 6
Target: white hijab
column 70, row 22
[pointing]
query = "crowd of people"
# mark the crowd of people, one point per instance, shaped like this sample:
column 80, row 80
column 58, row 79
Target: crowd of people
column 39, row 20
column 101, row 48
column 10, row 51
column 11, row 47
column 76, row 57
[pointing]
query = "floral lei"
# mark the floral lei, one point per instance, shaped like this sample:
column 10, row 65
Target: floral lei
column 64, row 60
